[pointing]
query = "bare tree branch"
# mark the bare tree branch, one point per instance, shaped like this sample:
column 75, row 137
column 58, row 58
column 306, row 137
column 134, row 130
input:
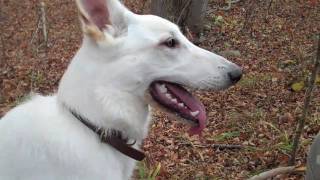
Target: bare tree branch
column 306, row 106
column 183, row 12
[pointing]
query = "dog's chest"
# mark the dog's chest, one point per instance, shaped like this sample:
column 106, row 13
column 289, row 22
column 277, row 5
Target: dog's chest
column 50, row 146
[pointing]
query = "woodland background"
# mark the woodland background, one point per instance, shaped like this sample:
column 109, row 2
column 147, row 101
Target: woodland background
column 274, row 42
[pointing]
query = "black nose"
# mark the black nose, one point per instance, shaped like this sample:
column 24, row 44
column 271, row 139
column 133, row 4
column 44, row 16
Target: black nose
column 235, row 75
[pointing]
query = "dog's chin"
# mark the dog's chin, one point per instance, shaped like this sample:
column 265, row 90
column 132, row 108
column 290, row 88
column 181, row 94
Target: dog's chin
column 177, row 103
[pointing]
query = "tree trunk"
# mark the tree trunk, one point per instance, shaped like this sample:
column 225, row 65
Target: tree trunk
column 196, row 16
column 188, row 13
column 161, row 8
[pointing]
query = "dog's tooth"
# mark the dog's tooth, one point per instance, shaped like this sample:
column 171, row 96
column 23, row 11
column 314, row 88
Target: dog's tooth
column 181, row 105
column 195, row 113
column 168, row 96
column 174, row 100
column 163, row 89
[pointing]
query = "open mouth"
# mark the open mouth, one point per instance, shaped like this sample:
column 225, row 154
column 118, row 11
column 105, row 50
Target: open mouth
column 177, row 100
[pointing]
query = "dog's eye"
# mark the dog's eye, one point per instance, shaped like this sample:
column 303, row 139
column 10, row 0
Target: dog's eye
column 171, row 43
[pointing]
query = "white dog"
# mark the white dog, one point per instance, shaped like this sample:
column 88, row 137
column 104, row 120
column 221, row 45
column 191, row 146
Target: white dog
column 93, row 127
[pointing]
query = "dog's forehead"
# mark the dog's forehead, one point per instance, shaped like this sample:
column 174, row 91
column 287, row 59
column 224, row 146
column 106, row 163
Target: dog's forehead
column 156, row 24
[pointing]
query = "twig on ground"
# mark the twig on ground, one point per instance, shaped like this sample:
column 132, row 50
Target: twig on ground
column 306, row 106
column 227, row 146
column 2, row 49
column 230, row 2
column 144, row 6
column 35, row 32
column 215, row 146
column 41, row 24
column 2, row 42
column 270, row 4
column 277, row 171
column 44, row 23
column 268, row 10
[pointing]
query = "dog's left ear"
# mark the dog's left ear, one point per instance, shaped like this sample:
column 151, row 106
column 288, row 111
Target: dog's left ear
column 102, row 19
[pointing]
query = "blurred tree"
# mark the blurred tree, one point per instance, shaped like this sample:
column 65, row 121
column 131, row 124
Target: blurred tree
column 189, row 13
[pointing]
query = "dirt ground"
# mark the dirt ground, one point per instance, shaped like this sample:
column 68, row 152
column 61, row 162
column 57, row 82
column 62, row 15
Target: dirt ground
column 274, row 42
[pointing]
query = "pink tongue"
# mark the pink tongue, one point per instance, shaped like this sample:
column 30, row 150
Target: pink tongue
column 192, row 103
column 197, row 130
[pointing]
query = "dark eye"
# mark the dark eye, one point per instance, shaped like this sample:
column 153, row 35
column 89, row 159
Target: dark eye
column 171, row 43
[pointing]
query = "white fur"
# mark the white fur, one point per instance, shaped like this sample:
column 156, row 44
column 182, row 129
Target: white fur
column 105, row 82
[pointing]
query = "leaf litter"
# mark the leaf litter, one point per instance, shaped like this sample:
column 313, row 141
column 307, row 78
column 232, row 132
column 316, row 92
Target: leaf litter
column 274, row 42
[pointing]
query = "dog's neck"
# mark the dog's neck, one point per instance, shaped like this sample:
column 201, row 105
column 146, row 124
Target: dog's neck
column 107, row 106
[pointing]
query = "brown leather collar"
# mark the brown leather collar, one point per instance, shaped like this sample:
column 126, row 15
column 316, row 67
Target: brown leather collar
column 112, row 137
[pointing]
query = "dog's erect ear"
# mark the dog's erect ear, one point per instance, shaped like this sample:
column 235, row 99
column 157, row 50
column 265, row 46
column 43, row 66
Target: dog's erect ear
column 101, row 16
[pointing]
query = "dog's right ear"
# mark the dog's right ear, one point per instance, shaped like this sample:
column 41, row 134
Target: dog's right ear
column 101, row 19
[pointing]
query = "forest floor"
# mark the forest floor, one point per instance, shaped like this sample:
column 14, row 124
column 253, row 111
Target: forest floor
column 273, row 42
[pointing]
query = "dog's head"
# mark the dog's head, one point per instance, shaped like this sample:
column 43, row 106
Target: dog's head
column 145, row 53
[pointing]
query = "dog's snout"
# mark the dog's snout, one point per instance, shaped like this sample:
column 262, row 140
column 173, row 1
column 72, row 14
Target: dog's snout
column 235, row 75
